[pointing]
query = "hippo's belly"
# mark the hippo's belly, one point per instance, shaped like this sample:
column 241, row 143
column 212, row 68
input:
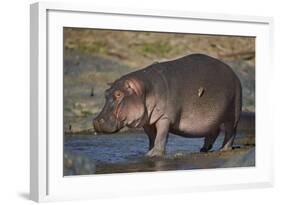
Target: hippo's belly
column 198, row 123
column 201, row 116
column 201, row 128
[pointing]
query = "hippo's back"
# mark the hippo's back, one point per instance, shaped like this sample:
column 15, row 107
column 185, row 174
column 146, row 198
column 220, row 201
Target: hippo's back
column 200, row 68
column 196, row 71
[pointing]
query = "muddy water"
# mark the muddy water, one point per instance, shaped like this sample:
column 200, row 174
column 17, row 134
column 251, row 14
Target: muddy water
column 125, row 153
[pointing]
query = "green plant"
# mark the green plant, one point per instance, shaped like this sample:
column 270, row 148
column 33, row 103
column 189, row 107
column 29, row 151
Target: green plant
column 156, row 48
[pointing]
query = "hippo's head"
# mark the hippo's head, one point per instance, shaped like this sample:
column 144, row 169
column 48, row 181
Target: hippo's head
column 124, row 106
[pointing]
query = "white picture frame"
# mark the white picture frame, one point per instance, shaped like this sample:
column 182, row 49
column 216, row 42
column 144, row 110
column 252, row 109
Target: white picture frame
column 46, row 139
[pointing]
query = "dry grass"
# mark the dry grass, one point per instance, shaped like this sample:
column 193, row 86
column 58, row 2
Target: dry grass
column 137, row 49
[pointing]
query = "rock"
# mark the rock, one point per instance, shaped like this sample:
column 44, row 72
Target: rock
column 75, row 164
column 79, row 105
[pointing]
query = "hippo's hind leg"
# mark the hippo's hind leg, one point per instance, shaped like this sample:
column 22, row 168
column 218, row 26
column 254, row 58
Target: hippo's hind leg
column 150, row 130
column 209, row 141
column 230, row 132
column 231, row 125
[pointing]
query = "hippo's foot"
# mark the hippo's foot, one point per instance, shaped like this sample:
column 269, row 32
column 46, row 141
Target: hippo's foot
column 155, row 153
column 204, row 149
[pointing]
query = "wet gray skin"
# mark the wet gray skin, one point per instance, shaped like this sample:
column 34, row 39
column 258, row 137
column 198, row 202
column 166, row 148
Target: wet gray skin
column 193, row 96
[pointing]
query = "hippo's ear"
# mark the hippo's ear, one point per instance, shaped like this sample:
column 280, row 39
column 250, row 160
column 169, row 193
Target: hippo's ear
column 134, row 85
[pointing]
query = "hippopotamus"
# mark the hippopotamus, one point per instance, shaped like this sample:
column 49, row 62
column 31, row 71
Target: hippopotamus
column 193, row 96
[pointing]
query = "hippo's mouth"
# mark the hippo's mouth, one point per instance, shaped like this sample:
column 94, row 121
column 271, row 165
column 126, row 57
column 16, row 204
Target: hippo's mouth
column 100, row 126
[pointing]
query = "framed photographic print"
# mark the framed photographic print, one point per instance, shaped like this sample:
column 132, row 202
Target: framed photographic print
column 129, row 101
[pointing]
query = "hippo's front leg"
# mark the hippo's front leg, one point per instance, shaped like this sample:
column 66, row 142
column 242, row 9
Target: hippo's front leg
column 150, row 130
column 162, row 130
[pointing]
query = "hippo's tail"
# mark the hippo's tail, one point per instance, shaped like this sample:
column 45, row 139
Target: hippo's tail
column 238, row 104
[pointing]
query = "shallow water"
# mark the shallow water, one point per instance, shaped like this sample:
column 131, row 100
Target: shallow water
column 125, row 152
column 130, row 147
